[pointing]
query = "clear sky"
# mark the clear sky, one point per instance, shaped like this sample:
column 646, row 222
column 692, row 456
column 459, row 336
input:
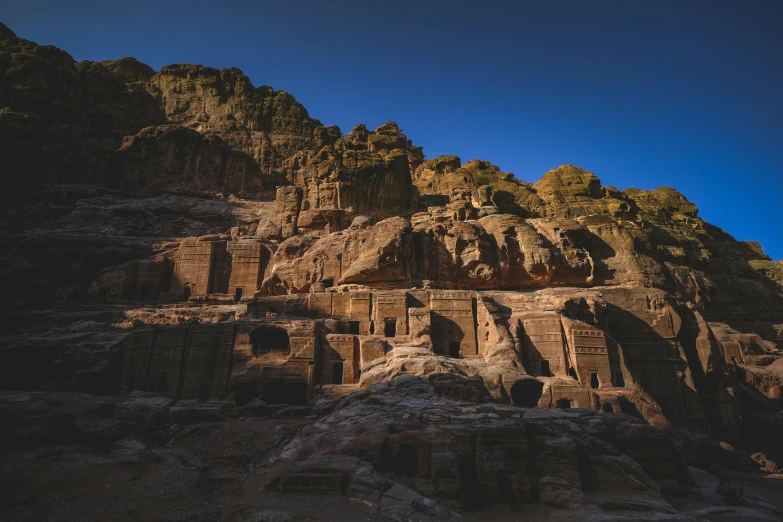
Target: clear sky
column 687, row 94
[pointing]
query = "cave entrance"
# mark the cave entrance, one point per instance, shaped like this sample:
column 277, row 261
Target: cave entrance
column 454, row 351
column 564, row 404
column 281, row 392
column 619, row 380
column 265, row 339
column 185, row 293
column 608, row 408
column 594, row 379
column 408, row 460
column 390, row 328
column 203, row 392
column 353, row 327
column 545, row 371
column 162, row 378
column 527, row 393
column 328, row 283
column 337, row 373
column 238, row 294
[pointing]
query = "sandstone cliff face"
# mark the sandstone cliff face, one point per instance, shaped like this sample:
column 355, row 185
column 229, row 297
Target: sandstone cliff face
column 185, row 234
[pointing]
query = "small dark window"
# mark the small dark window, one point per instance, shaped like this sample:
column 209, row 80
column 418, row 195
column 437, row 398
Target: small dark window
column 572, row 374
column 408, row 460
column 203, row 392
column 454, row 349
column 545, row 371
column 390, row 328
column 353, row 327
column 185, row 293
column 238, row 294
column 608, row 408
column 162, row 378
column 564, row 403
column 328, row 283
column 337, row 373
column 619, row 380
column 594, row 379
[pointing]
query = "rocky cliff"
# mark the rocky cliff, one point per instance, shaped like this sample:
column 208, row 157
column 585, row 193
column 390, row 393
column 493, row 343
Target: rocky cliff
column 181, row 245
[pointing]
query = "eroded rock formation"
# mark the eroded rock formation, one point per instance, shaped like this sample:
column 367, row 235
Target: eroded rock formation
column 185, row 237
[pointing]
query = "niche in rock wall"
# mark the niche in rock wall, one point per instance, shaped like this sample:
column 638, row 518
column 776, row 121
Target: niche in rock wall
column 390, row 328
column 545, row 371
column 337, row 373
column 408, row 460
column 162, row 380
column 564, row 404
column 607, row 408
column 282, row 392
column 353, row 327
column 238, row 294
column 454, row 349
column 594, row 380
column 527, row 392
column 203, row 392
column 270, row 339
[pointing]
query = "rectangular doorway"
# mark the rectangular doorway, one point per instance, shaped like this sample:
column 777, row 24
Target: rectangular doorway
column 390, row 328
column 337, row 373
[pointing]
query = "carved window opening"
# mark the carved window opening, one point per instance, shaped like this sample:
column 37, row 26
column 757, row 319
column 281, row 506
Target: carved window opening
column 267, row 339
column 545, row 371
column 608, row 408
column 280, row 392
column 619, row 380
column 185, row 293
column 454, row 351
column 162, row 378
column 337, row 373
column 353, row 327
column 594, row 379
column 203, row 392
column 527, row 393
column 328, row 283
column 238, row 294
column 564, row 404
column 408, row 460
column 390, row 328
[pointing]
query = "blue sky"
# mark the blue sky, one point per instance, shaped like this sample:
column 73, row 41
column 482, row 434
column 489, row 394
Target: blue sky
column 642, row 93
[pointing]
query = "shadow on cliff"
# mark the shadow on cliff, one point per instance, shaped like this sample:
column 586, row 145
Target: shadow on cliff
column 656, row 362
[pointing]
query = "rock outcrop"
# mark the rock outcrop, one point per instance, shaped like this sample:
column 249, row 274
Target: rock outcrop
column 190, row 247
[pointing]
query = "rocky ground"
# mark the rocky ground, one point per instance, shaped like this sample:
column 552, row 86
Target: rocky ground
column 77, row 457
